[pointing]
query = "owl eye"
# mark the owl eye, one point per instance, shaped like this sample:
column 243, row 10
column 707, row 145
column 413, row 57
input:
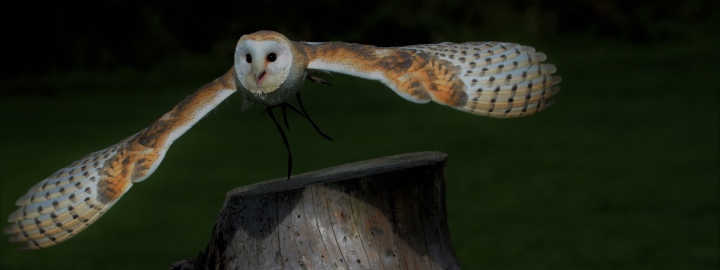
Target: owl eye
column 248, row 58
column 272, row 57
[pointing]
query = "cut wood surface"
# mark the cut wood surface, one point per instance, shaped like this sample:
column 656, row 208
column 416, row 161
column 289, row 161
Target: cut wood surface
column 385, row 213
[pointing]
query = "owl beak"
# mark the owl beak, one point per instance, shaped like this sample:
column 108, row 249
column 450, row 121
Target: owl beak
column 259, row 70
column 260, row 77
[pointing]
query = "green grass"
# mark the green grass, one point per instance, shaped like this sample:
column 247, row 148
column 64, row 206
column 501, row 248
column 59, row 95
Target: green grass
column 621, row 173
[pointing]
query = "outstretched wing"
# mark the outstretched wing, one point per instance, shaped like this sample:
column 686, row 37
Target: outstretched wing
column 66, row 202
column 487, row 78
column 74, row 197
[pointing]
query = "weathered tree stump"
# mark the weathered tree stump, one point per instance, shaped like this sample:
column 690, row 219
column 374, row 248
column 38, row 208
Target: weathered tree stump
column 386, row 213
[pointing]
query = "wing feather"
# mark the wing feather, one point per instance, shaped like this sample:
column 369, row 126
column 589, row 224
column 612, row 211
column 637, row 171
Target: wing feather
column 495, row 79
column 74, row 197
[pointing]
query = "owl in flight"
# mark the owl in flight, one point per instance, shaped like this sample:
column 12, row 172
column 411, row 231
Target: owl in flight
column 493, row 79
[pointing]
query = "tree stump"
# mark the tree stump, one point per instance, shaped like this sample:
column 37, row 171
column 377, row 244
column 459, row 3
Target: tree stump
column 385, row 213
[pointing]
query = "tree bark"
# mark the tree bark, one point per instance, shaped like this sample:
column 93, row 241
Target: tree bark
column 385, row 213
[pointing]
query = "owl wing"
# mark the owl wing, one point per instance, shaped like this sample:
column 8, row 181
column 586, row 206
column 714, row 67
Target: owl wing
column 74, row 197
column 487, row 78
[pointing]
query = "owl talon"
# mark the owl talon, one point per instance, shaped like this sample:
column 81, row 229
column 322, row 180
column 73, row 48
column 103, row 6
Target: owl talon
column 318, row 80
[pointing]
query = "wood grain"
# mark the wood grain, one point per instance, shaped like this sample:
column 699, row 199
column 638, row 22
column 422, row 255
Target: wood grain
column 386, row 213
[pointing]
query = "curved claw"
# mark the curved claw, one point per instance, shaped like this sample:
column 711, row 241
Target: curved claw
column 318, row 80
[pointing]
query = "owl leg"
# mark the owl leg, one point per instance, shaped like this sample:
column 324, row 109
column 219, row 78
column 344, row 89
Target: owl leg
column 304, row 113
column 284, row 114
column 284, row 137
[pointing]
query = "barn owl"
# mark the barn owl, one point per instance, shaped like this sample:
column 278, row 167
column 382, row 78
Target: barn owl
column 493, row 79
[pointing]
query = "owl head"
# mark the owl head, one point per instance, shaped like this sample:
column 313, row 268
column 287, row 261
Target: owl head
column 262, row 61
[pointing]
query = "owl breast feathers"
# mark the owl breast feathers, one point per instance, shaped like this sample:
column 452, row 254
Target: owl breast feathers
column 487, row 78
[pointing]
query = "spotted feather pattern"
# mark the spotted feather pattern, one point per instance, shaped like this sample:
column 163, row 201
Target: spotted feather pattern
column 500, row 79
column 63, row 204
column 73, row 198
column 487, row 78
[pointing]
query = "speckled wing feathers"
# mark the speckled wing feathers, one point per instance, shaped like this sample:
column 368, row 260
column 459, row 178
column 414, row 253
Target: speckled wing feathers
column 65, row 203
column 501, row 79
column 486, row 78
column 76, row 196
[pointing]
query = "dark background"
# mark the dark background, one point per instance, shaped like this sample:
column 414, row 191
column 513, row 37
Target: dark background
column 621, row 173
column 107, row 36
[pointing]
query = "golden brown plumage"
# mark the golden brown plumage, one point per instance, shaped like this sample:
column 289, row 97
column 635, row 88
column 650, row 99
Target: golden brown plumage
column 76, row 196
column 486, row 78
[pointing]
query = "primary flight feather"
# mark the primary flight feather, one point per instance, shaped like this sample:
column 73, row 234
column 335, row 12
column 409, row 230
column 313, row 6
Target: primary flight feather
column 486, row 78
